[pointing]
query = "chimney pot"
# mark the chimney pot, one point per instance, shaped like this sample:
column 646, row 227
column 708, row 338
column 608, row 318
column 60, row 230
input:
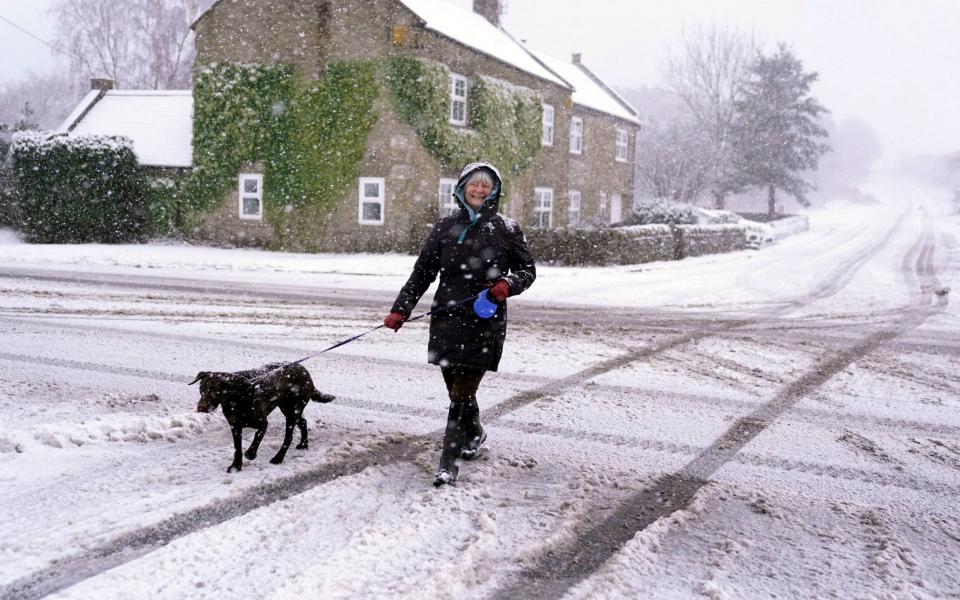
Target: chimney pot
column 576, row 58
column 101, row 84
column 489, row 10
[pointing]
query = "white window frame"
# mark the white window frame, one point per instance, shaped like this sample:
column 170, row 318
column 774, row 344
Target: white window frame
column 547, row 137
column 604, row 207
column 362, row 199
column 576, row 135
column 573, row 211
column 457, row 99
column 243, row 195
column 623, row 145
column 448, row 203
column 542, row 205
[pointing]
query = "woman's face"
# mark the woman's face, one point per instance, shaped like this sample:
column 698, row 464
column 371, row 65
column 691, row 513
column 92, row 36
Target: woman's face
column 476, row 192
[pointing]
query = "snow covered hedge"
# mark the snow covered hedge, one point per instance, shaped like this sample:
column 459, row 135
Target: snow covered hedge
column 633, row 244
column 662, row 211
column 78, row 189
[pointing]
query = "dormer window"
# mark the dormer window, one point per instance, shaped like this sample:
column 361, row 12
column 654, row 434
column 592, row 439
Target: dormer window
column 458, row 99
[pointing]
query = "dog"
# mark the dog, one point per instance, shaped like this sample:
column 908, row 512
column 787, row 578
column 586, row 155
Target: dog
column 247, row 404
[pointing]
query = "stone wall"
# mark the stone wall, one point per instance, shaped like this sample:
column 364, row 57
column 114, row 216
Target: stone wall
column 632, row 245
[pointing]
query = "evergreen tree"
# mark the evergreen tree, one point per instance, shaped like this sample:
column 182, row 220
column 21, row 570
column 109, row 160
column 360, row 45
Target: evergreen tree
column 776, row 136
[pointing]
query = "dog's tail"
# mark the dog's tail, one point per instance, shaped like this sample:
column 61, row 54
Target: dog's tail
column 319, row 396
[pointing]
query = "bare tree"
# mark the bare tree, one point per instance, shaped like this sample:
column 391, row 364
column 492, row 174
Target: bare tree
column 707, row 73
column 144, row 44
column 51, row 97
column 671, row 161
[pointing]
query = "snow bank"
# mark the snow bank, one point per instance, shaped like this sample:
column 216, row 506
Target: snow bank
column 103, row 430
column 9, row 237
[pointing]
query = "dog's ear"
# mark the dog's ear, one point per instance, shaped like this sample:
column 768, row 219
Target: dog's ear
column 200, row 376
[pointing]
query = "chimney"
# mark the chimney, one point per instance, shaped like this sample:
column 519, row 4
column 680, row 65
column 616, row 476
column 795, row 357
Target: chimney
column 576, row 58
column 103, row 85
column 489, row 10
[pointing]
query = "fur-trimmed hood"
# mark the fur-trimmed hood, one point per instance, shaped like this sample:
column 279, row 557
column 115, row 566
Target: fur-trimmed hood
column 492, row 202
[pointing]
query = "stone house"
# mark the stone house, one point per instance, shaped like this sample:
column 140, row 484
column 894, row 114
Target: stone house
column 580, row 171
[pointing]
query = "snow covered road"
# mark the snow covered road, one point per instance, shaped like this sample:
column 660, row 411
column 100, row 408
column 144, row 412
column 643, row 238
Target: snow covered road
column 774, row 422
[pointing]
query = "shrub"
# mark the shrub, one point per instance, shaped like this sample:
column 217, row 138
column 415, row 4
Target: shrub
column 661, row 211
column 6, row 186
column 78, row 189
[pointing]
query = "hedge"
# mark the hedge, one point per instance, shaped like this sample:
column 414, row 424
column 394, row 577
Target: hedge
column 78, row 189
column 632, row 245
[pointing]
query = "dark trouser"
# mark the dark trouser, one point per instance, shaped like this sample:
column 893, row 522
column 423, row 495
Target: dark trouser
column 463, row 417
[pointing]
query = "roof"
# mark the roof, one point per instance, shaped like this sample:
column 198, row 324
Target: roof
column 470, row 29
column 588, row 90
column 160, row 123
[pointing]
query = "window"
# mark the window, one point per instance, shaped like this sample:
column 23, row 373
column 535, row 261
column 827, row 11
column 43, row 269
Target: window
column 573, row 213
column 547, row 125
column 448, row 204
column 543, row 208
column 371, row 201
column 604, row 211
column 458, row 99
column 576, row 135
column 622, row 142
column 251, row 196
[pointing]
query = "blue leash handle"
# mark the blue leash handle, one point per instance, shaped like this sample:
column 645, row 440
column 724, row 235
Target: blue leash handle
column 360, row 335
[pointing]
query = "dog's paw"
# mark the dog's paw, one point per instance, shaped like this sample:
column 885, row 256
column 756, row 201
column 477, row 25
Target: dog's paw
column 232, row 467
column 250, row 455
column 302, row 446
column 276, row 460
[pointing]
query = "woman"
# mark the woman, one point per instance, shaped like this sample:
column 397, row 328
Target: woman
column 471, row 250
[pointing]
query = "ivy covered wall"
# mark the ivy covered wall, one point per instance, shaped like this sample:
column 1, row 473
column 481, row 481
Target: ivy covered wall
column 311, row 136
column 504, row 124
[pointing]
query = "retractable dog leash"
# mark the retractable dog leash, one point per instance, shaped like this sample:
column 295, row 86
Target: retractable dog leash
column 483, row 307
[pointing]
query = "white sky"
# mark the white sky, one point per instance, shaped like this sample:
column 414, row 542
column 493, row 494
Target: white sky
column 891, row 62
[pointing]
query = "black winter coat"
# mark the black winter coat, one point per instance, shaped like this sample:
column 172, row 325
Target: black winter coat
column 470, row 251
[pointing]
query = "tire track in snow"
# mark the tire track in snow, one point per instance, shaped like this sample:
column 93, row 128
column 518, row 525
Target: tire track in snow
column 94, row 367
column 561, row 568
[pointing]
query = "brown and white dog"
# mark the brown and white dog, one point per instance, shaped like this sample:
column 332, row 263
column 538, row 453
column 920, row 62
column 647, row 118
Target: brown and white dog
column 247, row 404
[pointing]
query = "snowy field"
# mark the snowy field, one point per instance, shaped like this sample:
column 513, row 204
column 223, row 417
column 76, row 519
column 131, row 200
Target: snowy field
column 782, row 422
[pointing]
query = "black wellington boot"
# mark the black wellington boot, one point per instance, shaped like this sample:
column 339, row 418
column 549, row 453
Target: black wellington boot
column 474, row 435
column 452, row 445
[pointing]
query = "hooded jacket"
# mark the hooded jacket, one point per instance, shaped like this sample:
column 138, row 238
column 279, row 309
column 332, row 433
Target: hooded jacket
column 470, row 251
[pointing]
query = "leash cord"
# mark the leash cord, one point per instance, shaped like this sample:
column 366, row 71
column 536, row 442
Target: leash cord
column 360, row 335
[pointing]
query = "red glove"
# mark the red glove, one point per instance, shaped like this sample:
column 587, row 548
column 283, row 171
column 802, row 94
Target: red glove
column 394, row 320
column 500, row 290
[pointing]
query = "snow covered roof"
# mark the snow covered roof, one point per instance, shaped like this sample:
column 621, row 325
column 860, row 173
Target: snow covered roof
column 587, row 89
column 160, row 123
column 470, row 29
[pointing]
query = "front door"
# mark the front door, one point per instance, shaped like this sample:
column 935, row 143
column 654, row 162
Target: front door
column 616, row 208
